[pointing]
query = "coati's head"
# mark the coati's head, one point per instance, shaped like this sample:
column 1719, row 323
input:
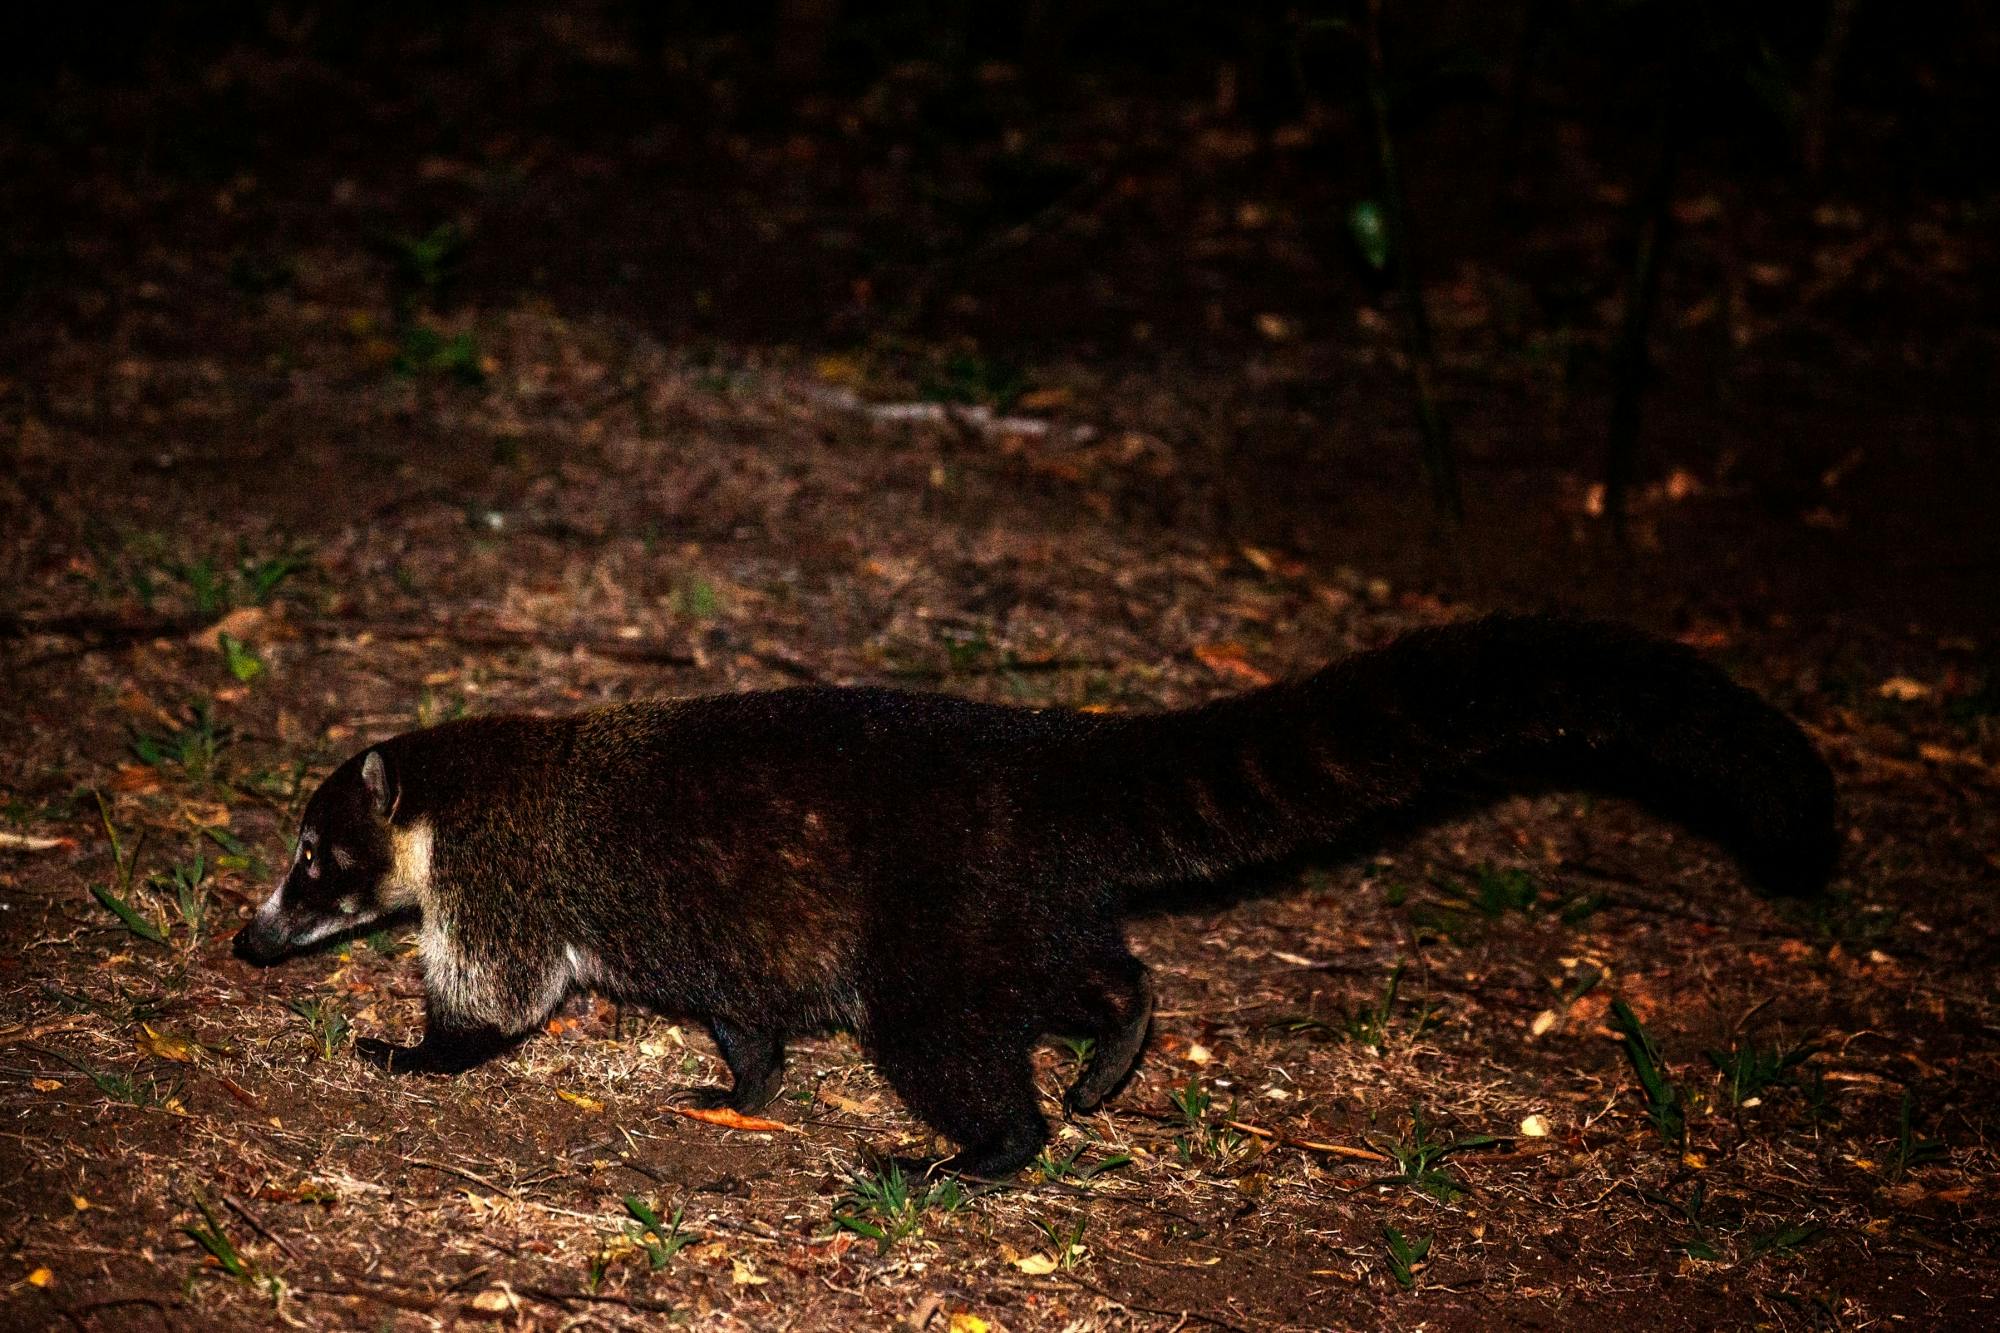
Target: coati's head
column 352, row 868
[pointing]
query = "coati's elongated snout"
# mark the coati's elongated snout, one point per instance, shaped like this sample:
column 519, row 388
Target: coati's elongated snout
column 344, row 873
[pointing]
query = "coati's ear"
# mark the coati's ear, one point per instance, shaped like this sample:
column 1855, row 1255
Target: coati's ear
column 375, row 777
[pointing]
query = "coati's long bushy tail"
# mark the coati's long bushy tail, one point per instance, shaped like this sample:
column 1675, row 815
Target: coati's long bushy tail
column 1492, row 705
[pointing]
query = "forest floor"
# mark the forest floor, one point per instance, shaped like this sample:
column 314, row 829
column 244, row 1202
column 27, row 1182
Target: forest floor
column 291, row 469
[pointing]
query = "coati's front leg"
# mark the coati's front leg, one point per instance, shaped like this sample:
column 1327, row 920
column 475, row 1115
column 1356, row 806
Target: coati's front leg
column 463, row 989
column 451, row 1045
column 756, row 1060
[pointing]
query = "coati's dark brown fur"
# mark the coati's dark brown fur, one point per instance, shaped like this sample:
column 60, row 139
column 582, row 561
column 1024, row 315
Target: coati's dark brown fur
column 948, row 878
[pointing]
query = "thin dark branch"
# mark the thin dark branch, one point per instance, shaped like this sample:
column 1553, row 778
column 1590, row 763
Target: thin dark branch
column 1631, row 361
column 1440, row 461
column 256, row 1224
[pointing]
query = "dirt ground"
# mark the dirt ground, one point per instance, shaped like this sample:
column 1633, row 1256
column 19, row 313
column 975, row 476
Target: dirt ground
column 335, row 407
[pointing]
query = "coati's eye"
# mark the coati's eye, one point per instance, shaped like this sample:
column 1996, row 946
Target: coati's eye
column 307, row 853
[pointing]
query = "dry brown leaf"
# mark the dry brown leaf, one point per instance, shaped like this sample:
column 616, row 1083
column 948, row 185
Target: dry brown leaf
column 168, row 1045
column 1903, row 689
column 590, row 1104
column 245, row 623
column 494, row 1303
column 135, row 780
column 28, row 842
column 840, row 1101
column 729, row 1118
column 1230, row 659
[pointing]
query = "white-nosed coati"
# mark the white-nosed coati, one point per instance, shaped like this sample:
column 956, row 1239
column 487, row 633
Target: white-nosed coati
column 948, row 878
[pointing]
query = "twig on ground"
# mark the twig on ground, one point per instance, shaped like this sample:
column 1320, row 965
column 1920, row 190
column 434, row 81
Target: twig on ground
column 237, row 1207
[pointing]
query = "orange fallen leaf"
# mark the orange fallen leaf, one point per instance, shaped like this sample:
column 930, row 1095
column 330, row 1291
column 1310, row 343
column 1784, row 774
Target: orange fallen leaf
column 733, row 1119
column 135, row 780
column 590, row 1104
column 1903, row 689
column 1230, row 659
column 46, row 1084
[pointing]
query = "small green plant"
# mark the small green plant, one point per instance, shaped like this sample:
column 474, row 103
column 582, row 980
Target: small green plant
column 1371, row 1025
column 1693, row 1210
column 1202, row 1137
column 1665, row 1102
column 260, row 578
column 1369, row 231
column 1749, row 1069
column 660, row 1240
column 433, row 708
column 236, row 854
column 1406, row 1256
column 1912, row 1149
column 326, row 1022
column 968, row 377
column 1065, row 1240
column 1497, row 891
column 211, row 1237
column 186, row 882
column 1191, row 1101
column 430, row 261
column 695, row 598
column 1792, row 1236
column 426, row 351
column 126, row 1089
column 1066, row 1168
column 239, row 658
column 285, row 787
column 886, row 1206
column 966, row 648
column 208, row 586
column 194, row 746
column 1420, row 1158
column 118, row 897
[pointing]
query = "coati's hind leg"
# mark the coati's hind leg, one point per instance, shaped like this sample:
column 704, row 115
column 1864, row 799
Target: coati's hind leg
column 961, row 1061
column 756, row 1061
column 1117, row 1004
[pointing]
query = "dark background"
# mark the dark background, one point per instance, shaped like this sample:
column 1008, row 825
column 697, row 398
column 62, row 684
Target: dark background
column 977, row 197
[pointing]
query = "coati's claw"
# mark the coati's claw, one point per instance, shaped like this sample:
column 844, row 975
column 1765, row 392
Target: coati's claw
column 388, row 1057
column 706, row 1099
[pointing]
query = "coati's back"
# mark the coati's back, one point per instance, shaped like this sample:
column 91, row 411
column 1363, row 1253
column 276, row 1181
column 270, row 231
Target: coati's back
column 687, row 849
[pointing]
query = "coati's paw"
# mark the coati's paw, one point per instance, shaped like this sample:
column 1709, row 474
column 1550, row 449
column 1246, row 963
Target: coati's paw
column 706, row 1099
column 390, row 1058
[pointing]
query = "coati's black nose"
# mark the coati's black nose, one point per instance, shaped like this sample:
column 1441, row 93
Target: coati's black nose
column 256, row 944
